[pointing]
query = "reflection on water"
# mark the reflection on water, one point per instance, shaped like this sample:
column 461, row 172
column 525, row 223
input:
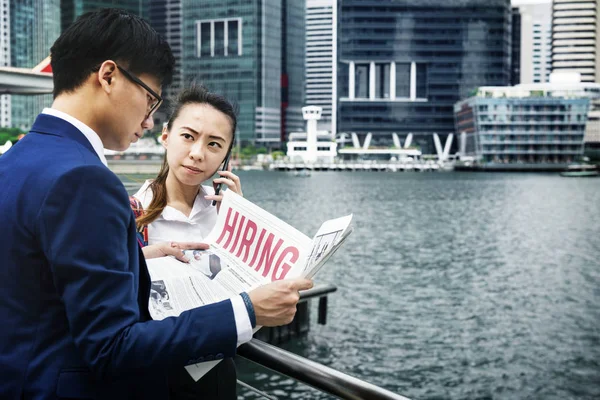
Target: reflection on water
column 453, row 285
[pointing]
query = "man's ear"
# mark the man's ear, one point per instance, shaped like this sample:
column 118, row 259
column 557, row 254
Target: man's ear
column 106, row 75
column 164, row 136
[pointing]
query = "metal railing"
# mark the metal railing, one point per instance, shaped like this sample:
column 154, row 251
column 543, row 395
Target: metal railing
column 318, row 376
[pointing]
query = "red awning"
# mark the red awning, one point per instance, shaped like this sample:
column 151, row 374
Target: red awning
column 44, row 66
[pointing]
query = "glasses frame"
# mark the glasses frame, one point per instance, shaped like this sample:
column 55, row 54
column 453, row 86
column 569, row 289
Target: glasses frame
column 137, row 80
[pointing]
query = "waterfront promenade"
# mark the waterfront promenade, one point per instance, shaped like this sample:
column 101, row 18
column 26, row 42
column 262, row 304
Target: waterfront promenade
column 152, row 166
column 365, row 165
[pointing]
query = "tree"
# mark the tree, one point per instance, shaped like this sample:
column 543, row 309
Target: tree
column 11, row 134
column 247, row 152
column 277, row 154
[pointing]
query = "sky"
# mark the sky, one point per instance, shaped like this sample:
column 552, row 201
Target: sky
column 521, row 2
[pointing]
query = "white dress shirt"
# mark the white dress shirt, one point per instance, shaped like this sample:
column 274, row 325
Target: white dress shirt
column 88, row 132
column 174, row 226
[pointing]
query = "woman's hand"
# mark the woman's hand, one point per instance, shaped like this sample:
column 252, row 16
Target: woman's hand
column 226, row 178
column 174, row 249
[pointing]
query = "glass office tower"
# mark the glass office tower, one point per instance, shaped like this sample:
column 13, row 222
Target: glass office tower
column 515, row 69
column 253, row 53
column 403, row 64
column 293, row 65
column 35, row 25
column 165, row 17
column 71, row 9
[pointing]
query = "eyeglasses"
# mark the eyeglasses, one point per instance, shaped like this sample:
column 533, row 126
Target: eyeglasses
column 156, row 99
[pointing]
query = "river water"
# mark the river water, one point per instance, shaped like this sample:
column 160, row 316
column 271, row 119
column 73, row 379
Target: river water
column 452, row 285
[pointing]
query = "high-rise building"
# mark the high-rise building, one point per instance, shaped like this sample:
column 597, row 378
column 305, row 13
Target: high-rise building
column 293, row 64
column 166, row 18
column 535, row 42
column 403, row 64
column 575, row 42
column 5, row 117
column 321, row 60
column 71, row 9
column 542, row 51
column 253, row 53
column 34, row 26
column 5, row 33
column 576, row 47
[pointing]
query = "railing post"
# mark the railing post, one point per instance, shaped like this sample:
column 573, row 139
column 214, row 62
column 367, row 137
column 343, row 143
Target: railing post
column 322, row 319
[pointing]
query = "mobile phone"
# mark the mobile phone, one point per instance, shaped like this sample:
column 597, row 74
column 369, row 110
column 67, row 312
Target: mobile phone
column 225, row 165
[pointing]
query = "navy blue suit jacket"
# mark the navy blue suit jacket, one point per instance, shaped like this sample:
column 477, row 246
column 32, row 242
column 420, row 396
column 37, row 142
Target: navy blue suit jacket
column 74, row 285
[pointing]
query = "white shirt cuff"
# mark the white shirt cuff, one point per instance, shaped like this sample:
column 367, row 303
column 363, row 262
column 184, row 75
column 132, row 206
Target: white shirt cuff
column 242, row 320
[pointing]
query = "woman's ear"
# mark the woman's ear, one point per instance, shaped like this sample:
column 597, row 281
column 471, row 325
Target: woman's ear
column 164, row 137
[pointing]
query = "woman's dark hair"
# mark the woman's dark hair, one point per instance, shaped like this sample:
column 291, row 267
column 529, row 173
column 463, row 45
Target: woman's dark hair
column 194, row 94
column 108, row 34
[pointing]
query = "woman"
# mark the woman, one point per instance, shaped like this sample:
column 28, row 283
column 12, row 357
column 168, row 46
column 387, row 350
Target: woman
column 175, row 212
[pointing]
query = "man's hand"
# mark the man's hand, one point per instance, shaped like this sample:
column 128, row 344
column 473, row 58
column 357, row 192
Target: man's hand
column 174, row 249
column 275, row 303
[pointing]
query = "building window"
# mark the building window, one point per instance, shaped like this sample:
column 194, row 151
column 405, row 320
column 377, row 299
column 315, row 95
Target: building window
column 232, row 37
column 219, row 34
column 422, row 81
column 382, row 81
column 403, row 80
column 361, row 81
column 204, row 39
column 219, row 38
column 377, row 81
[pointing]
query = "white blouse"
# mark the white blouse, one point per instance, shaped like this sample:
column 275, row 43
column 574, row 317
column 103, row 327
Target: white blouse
column 175, row 226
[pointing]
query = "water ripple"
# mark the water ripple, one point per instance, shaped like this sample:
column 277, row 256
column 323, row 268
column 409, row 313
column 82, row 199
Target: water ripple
column 452, row 286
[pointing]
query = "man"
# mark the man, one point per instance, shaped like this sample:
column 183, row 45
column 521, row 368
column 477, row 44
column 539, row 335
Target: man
column 74, row 310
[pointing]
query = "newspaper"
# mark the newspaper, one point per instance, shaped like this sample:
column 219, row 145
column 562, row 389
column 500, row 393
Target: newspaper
column 248, row 247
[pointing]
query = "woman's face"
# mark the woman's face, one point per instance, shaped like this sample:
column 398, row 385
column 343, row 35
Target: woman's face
column 197, row 143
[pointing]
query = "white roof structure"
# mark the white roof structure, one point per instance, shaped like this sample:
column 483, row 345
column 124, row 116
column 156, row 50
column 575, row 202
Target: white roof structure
column 562, row 84
column 24, row 81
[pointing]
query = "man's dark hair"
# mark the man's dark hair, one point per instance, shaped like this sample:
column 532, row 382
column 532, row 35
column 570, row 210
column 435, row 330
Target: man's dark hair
column 108, row 34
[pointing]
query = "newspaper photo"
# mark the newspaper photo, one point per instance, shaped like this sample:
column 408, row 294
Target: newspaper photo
column 248, row 247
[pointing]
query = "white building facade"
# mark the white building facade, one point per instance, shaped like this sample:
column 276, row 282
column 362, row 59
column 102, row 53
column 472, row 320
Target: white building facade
column 5, row 111
column 575, row 44
column 536, row 42
column 321, row 55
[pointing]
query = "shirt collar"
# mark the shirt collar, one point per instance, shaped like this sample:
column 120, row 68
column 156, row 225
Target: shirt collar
column 144, row 195
column 88, row 132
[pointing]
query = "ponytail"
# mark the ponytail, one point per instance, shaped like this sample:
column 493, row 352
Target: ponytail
column 159, row 197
